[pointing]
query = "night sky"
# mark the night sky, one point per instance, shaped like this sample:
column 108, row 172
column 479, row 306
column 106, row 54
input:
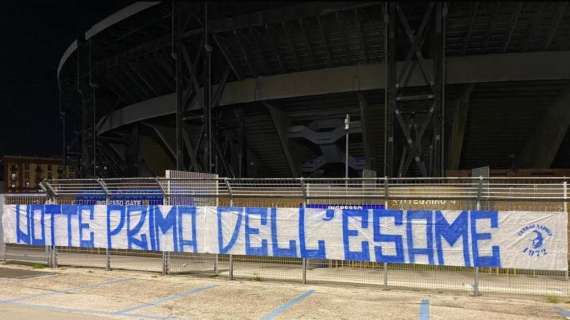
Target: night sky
column 34, row 36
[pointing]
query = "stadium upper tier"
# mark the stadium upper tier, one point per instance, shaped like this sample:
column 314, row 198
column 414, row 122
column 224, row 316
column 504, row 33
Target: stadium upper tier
column 283, row 73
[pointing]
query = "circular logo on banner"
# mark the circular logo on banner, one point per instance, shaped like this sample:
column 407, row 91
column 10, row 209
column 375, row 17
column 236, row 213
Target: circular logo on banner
column 535, row 239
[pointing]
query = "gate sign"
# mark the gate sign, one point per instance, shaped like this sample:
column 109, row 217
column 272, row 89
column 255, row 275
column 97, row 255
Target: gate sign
column 343, row 206
column 127, row 197
column 507, row 239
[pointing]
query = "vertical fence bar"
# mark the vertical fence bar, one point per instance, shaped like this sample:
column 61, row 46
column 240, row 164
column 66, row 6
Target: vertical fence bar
column 167, row 262
column 231, row 268
column 217, row 257
column 48, row 249
column 565, row 186
column 386, row 195
column 164, row 267
column 54, row 257
column 107, row 202
column 107, row 259
column 48, row 256
column 165, row 256
column 231, row 257
column 476, row 291
column 216, row 262
column 2, row 244
column 167, row 201
column 162, row 262
column 51, row 197
column 304, row 262
column 304, row 266
column 534, row 269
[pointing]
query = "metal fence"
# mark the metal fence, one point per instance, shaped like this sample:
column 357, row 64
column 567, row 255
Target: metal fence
column 536, row 194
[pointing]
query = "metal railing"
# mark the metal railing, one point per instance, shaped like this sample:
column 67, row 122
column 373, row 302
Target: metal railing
column 504, row 193
column 460, row 188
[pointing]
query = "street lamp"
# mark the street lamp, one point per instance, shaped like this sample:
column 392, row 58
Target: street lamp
column 346, row 128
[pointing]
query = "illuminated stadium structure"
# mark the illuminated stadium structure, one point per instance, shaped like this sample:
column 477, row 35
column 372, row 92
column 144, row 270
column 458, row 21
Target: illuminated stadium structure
column 261, row 89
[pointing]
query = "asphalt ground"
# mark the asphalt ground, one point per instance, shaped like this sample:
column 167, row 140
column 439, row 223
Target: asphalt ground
column 408, row 277
column 84, row 293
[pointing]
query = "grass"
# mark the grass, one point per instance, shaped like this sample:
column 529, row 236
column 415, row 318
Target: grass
column 38, row 266
column 553, row 299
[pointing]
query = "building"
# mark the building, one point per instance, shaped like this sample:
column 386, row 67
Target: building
column 24, row 174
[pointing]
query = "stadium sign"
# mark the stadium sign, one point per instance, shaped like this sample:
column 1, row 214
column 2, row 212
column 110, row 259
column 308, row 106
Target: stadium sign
column 124, row 197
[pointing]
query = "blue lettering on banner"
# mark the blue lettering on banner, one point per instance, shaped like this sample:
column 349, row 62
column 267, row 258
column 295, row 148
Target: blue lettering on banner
column 193, row 242
column 52, row 210
column 280, row 252
column 133, row 231
column 238, row 212
column 117, row 230
column 319, row 253
column 494, row 260
column 161, row 225
column 451, row 233
column 412, row 250
column 384, row 236
column 249, row 231
column 70, row 211
column 33, row 209
column 378, row 236
column 22, row 236
column 364, row 253
column 90, row 243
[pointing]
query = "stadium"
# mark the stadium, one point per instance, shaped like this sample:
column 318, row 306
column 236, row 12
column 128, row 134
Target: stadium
column 331, row 148
column 466, row 84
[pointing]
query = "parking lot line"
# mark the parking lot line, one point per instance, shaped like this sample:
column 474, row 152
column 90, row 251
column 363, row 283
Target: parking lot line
column 564, row 313
column 72, row 290
column 163, row 300
column 286, row 306
column 424, row 309
column 84, row 311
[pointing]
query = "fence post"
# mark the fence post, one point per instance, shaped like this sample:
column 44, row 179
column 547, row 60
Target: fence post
column 231, row 269
column 2, row 244
column 216, row 261
column 52, row 257
column 165, row 256
column 164, row 263
column 52, row 250
column 48, row 255
column 304, row 261
column 565, row 186
column 107, row 260
column 304, row 266
column 55, row 263
column 476, row 291
column 386, row 195
column 231, row 257
column 217, row 256
column 107, row 202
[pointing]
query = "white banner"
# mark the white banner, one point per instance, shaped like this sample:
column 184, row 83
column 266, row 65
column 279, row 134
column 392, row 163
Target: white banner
column 507, row 239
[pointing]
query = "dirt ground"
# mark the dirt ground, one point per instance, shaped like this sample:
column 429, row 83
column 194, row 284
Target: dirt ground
column 82, row 293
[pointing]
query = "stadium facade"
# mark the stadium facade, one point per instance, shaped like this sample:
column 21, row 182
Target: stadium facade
column 262, row 89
